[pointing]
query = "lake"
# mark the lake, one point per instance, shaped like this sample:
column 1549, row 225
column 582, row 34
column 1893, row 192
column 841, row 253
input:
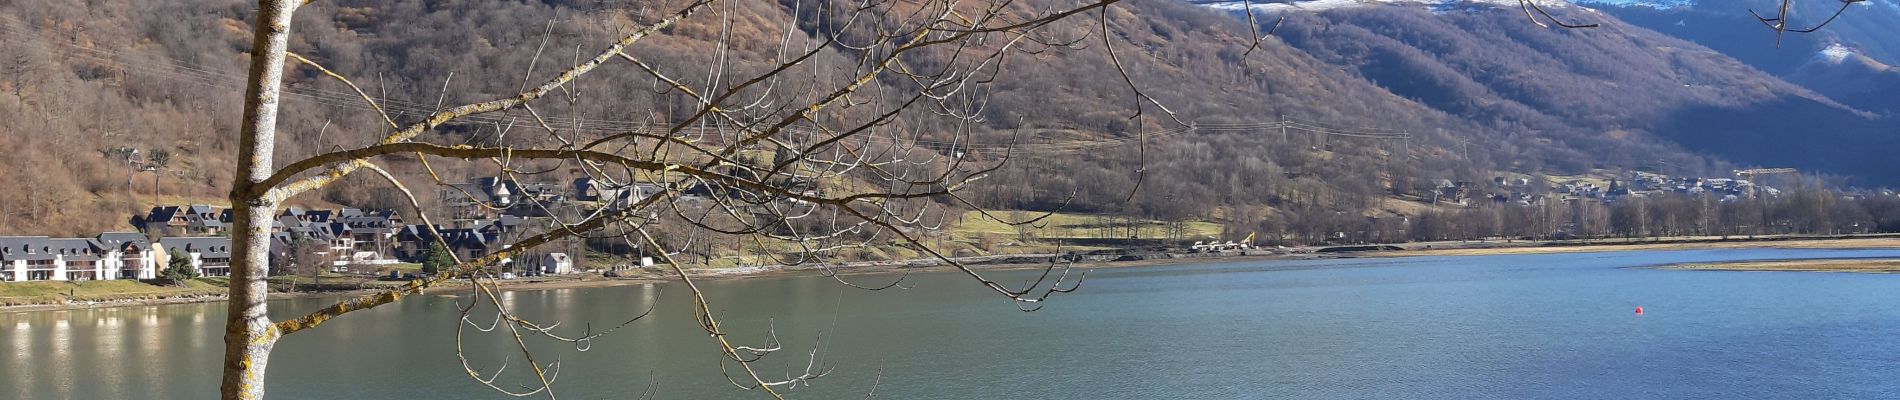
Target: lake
column 1491, row 327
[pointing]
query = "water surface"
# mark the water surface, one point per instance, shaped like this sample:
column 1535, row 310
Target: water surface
column 1493, row 327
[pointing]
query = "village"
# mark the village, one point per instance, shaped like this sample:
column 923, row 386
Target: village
column 484, row 215
column 1636, row 184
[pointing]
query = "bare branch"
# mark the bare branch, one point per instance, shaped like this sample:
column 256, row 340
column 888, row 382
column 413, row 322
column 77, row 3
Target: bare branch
column 1779, row 23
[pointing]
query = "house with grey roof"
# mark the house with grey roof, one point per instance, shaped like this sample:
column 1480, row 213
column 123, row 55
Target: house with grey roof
column 414, row 241
column 631, row 195
column 30, row 258
column 372, row 232
column 109, row 256
column 493, row 197
column 590, row 189
column 164, row 219
column 481, row 198
column 595, row 190
column 128, row 254
column 211, row 256
column 196, row 219
column 293, row 212
column 79, row 259
column 347, row 236
column 552, row 263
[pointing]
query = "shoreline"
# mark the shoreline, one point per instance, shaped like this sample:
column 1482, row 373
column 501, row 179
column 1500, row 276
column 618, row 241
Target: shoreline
column 1841, row 242
column 1032, row 261
column 1831, row 265
column 28, row 308
column 646, row 278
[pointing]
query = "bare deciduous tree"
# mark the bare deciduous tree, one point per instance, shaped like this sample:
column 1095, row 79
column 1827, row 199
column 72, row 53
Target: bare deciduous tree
column 307, row 258
column 1779, row 21
column 851, row 135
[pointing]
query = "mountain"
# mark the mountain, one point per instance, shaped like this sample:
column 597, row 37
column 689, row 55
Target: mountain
column 1846, row 61
column 1585, row 88
column 1478, row 89
column 1845, row 74
column 1728, row 27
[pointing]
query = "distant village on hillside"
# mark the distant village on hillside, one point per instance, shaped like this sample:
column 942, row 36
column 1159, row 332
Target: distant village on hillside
column 484, row 215
column 1520, row 191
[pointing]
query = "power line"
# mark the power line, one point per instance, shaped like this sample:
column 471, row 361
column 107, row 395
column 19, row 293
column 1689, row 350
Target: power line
column 176, row 71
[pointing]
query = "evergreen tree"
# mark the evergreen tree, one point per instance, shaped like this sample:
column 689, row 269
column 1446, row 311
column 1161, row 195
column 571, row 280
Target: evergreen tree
column 179, row 268
column 438, row 261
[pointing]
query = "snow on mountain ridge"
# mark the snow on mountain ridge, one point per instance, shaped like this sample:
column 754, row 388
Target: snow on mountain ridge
column 1656, row 4
column 1320, row 5
column 1836, row 53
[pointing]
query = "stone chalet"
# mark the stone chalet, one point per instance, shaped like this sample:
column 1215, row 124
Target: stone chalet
column 196, row 219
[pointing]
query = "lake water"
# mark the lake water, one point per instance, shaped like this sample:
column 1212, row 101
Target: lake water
column 1494, row 327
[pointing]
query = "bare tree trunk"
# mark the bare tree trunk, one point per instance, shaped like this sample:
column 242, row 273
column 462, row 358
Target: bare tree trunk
column 248, row 332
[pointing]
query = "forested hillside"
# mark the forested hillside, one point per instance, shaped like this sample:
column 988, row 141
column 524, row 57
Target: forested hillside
column 1853, row 78
column 1473, row 93
column 1586, row 88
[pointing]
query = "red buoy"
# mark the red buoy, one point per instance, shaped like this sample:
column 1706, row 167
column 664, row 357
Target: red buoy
column 1639, row 310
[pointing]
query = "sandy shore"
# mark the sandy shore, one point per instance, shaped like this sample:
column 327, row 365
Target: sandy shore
column 1862, row 265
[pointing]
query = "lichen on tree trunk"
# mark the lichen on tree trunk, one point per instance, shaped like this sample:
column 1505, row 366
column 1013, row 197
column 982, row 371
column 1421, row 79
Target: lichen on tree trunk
column 248, row 332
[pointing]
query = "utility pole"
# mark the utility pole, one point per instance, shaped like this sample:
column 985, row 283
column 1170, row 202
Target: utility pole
column 155, row 188
column 1283, row 130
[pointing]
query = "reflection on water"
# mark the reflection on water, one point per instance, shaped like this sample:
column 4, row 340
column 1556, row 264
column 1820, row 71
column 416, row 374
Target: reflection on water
column 151, row 349
column 197, row 327
column 111, row 340
column 1506, row 327
column 20, row 363
column 62, row 356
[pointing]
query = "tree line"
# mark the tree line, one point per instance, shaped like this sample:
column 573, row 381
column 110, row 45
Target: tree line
column 1805, row 211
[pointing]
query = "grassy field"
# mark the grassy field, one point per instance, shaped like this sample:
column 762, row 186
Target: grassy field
column 401, row 267
column 1063, row 226
column 345, row 281
column 47, row 292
